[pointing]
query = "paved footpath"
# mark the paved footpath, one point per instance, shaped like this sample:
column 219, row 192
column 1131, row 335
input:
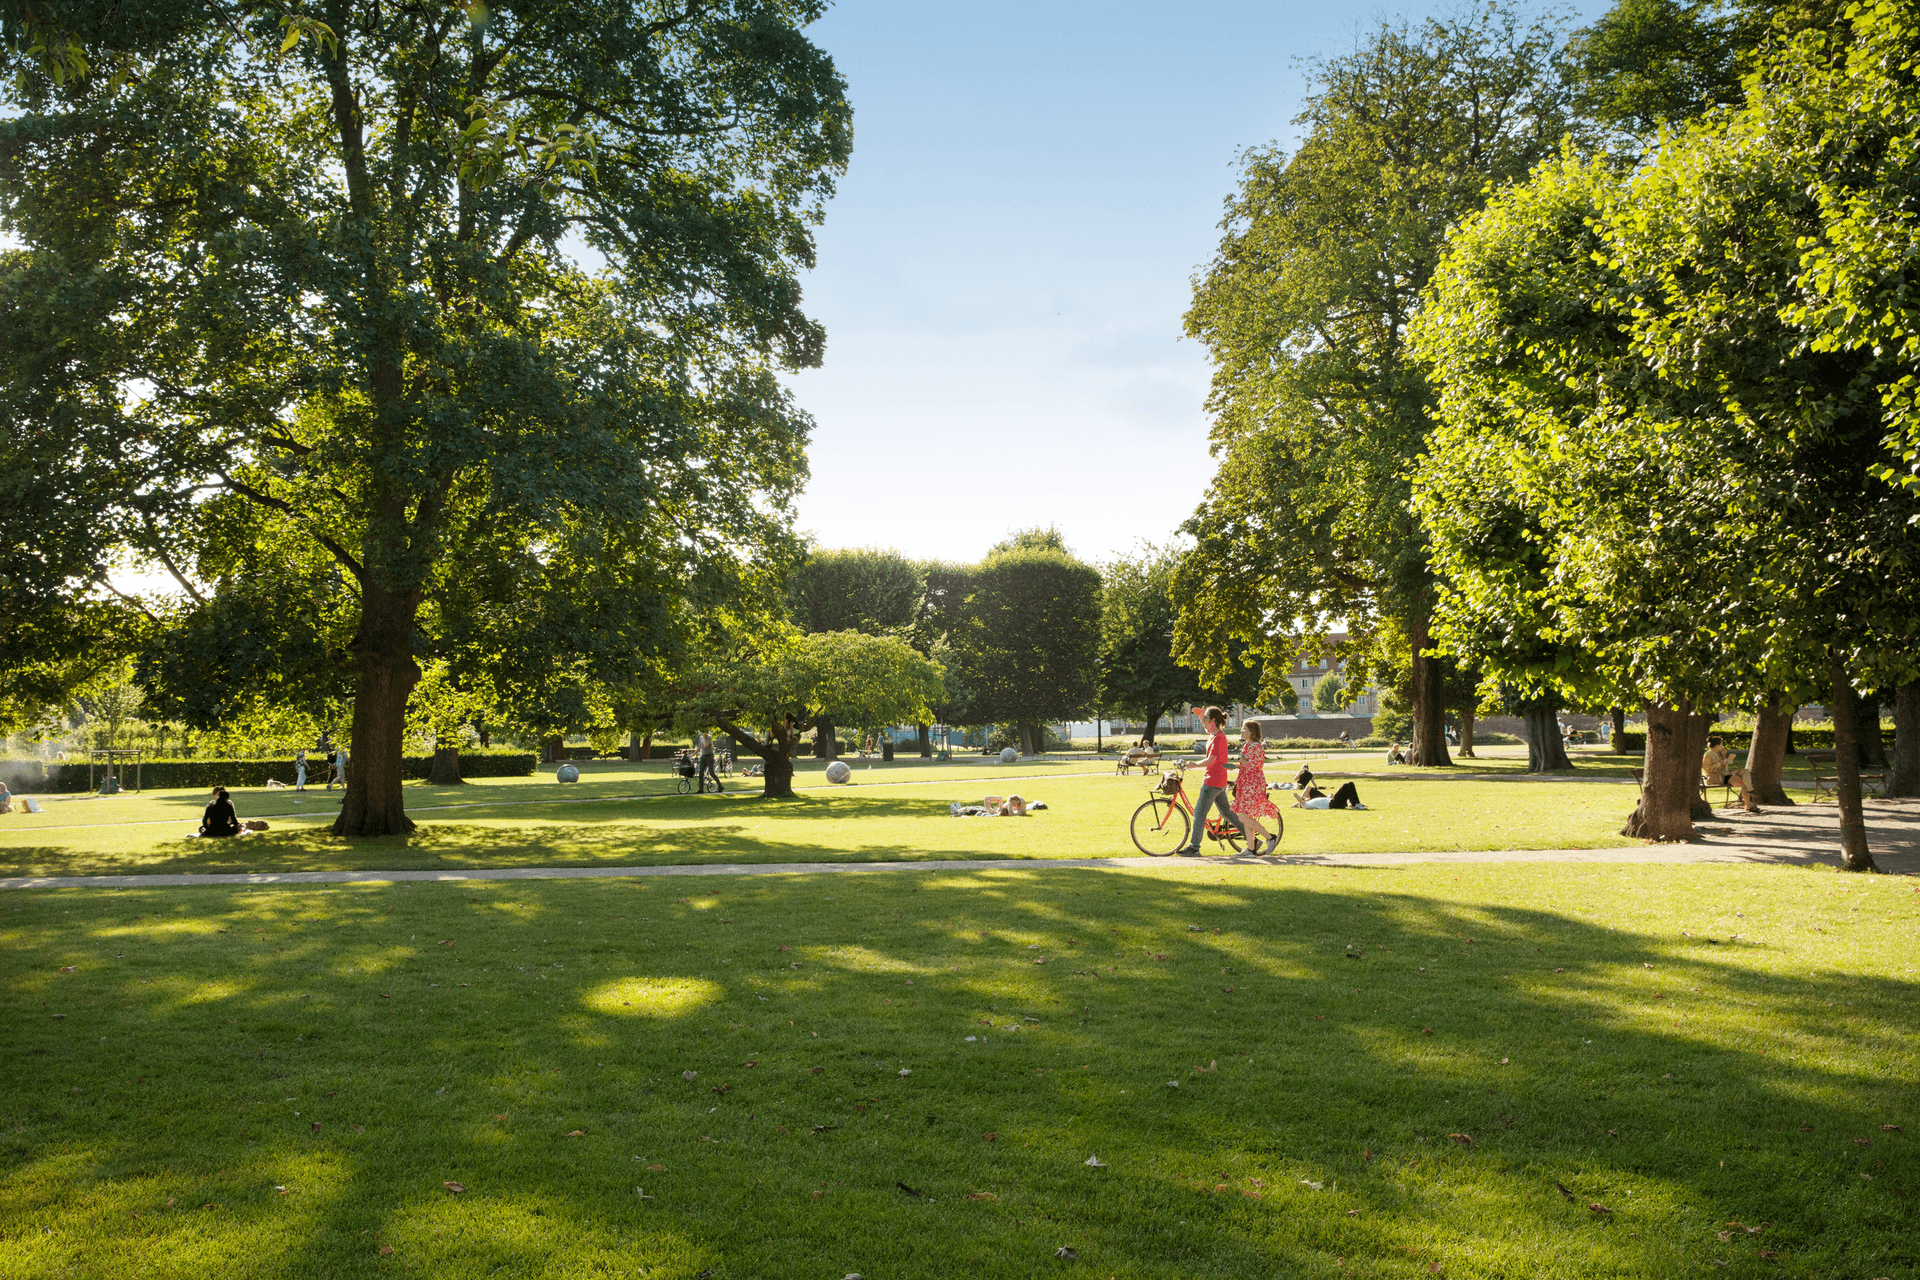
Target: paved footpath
column 1803, row 836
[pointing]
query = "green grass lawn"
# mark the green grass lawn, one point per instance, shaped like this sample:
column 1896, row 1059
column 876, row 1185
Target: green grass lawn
column 881, row 816
column 906, row 1076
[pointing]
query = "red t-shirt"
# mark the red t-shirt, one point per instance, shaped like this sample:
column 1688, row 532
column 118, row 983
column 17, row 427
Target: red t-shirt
column 1216, row 774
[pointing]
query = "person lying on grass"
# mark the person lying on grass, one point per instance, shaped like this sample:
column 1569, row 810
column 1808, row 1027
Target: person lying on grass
column 1312, row 797
column 996, row 807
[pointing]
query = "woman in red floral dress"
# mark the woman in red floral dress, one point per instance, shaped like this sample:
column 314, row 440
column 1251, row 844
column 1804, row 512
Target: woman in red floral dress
column 1250, row 790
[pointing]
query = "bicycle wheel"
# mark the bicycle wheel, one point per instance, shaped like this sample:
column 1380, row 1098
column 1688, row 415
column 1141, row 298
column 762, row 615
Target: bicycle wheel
column 711, row 784
column 686, row 784
column 1159, row 828
column 1226, row 835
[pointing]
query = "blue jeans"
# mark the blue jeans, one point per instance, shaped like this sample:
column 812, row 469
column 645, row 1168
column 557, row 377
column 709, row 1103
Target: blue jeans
column 1203, row 807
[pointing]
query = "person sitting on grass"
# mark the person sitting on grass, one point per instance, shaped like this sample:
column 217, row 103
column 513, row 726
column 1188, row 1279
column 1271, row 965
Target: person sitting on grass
column 220, row 819
column 1347, row 797
column 6, row 799
column 1303, row 779
column 1400, row 753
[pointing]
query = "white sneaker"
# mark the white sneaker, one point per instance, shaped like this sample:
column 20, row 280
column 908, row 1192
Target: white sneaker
column 1356, row 805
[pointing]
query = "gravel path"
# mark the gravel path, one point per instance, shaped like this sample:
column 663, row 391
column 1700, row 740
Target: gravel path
column 1806, row 835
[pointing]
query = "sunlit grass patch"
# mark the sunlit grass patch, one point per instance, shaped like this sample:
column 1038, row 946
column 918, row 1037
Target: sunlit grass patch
column 1500, row 1032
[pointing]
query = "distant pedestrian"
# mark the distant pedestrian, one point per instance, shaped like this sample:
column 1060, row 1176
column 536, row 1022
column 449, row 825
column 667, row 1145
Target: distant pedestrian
column 300, row 769
column 339, row 769
column 704, row 745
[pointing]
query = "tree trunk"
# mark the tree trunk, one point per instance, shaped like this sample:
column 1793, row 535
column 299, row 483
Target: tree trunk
column 1697, row 734
column 926, row 742
column 1466, row 736
column 776, row 754
column 1546, row 752
column 1904, row 778
column 1619, row 715
column 486, row 734
column 1153, row 724
column 825, row 746
column 1866, row 724
column 1671, row 778
column 1768, row 754
column 374, row 804
column 646, row 746
column 445, row 769
column 1029, row 734
column 1854, row 855
column 556, row 749
column 1429, row 703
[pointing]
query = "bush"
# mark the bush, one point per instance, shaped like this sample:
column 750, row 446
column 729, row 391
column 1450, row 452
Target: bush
column 1496, row 739
column 1392, row 723
column 67, row 776
column 1804, row 739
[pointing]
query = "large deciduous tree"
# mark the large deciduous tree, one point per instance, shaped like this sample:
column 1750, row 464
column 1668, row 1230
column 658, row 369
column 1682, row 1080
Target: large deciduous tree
column 1139, row 676
column 1318, row 409
column 311, row 259
column 1694, row 382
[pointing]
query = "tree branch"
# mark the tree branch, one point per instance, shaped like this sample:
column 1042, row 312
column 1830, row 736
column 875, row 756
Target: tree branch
column 340, row 553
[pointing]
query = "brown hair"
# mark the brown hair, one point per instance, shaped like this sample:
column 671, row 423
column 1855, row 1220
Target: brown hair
column 1215, row 715
column 1252, row 729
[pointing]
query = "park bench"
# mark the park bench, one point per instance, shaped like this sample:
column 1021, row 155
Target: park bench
column 1640, row 781
column 1828, row 783
column 1136, row 758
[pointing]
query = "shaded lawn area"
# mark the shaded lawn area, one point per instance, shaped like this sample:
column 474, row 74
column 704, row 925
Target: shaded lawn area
column 626, row 1078
column 871, row 821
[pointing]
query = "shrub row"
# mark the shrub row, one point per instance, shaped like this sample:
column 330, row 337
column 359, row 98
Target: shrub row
column 53, row 778
column 1741, row 739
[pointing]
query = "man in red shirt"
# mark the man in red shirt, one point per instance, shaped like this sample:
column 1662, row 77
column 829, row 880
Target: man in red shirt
column 1213, row 784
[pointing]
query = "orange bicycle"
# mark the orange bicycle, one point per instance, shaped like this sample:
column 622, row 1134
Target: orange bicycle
column 1161, row 825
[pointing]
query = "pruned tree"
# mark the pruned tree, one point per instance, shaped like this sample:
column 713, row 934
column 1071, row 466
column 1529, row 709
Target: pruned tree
column 1028, row 639
column 867, row 589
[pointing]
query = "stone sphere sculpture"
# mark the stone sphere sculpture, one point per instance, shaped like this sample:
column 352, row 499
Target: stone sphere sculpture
column 1008, row 755
column 838, row 771
column 567, row 773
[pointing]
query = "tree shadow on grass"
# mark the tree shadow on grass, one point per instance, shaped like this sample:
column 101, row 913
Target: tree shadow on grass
column 1681, row 1084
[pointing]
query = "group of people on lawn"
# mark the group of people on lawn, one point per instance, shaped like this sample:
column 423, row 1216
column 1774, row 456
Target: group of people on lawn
column 1251, row 801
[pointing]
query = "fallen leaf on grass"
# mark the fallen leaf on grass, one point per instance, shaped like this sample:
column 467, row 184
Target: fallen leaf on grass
column 1561, row 1187
column 825, row 1128
column 818, row 1070
column 454, row 1187
column 688, row 1075
column 1353, row 1213
column 1863, row 1142
column 502, row 1116
column 643, row 1195
column 1769, row 1253
column 989, row 1137
column 721, row 1088
column 1315, row 1185
column 578, row 1133
column 904, row 1187
column 982, row 1195
column 316, row 1126
column 385, row 1249
column 660, row 1168
column 69, row 968
column 1806, row 1128
column 359, row 1128
column 1211, row 1066
column 1095, row 1162
column 1461, row 1139
column 1068, row 1252
column 1600, row 1208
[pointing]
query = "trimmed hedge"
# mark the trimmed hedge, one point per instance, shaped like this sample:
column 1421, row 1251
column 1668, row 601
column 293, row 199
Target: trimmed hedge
column 1741, row 739
column 32, row 777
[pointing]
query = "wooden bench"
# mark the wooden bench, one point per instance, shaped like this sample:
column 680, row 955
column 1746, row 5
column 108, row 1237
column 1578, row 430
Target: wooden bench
column 1829, row 783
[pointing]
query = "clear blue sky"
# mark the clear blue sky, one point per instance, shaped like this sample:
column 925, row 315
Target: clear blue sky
column 1003, row 272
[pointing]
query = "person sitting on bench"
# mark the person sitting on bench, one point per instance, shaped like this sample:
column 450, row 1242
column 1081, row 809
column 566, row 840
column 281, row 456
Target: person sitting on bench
column 1312, row 797
column 1716, row 766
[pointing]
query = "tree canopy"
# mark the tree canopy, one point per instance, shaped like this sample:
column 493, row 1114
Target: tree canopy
column 1317, row 406
column 320, row 294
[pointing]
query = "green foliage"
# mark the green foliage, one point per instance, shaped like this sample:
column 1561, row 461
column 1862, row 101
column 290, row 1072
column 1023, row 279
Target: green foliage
column 1673, row 400
column 1028, row 639
column 335, row 268
column 1330, row 696
column 1646, row 63
column 847, row 677
column 69, row 777
column 439, row 710
column 1139, row 676
column 1317, row 408
column 856, row 589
